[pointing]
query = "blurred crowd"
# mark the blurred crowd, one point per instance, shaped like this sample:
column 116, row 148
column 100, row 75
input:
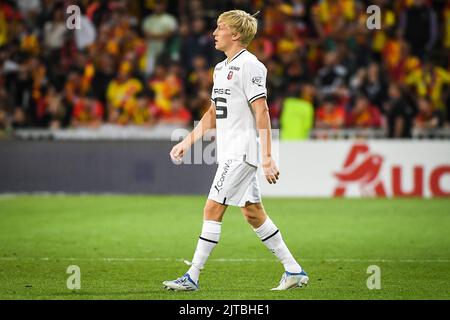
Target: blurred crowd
column 147, row 62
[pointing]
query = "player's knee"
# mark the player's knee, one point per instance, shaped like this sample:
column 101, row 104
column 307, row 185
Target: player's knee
column 212, row 212
column 254, row 213
column 251, row 219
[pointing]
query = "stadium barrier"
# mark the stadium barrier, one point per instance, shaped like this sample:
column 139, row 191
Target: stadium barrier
column 338, row 134
column 362, row 133
column 165, row 132
column 158, row 132
column 372, row 168
column 333, row 168
column 142, row 167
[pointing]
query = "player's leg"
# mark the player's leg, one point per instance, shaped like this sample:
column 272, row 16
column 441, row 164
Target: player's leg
column 228, row 188
column 213, row 210
column 209, row 238
column 270, row 235
column 212, row 222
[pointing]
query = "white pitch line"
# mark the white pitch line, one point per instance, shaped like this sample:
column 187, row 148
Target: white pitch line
column 228, row 260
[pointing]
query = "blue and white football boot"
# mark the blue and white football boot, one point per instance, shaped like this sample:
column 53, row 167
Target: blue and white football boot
column 292, row 280
column 184, row 283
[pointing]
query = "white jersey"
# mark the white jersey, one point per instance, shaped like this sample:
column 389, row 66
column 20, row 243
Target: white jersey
column 236, row 85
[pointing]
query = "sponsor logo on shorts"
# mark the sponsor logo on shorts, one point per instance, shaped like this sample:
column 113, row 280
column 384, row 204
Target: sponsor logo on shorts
column 219, row 184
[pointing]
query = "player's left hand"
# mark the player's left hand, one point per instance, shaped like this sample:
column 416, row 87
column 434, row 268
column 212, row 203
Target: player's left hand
column 270, row 170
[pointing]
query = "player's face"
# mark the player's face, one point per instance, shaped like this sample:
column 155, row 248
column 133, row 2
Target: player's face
column 223, row 36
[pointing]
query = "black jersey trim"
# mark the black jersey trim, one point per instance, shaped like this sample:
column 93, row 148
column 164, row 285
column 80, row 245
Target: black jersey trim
column 243, row 50
column 257, row 96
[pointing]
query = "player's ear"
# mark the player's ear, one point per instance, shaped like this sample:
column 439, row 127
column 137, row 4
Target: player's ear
column 235, row 36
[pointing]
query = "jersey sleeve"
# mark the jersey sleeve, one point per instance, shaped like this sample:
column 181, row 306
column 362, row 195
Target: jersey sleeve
column 254, row 80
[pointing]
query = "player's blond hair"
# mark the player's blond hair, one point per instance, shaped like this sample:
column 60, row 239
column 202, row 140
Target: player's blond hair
column 240, row 22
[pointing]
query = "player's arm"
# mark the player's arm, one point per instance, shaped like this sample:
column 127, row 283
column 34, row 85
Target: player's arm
column 261, row 111
column 207, row 122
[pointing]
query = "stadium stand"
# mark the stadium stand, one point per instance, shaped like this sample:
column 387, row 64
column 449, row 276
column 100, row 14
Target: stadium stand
column 148, row 64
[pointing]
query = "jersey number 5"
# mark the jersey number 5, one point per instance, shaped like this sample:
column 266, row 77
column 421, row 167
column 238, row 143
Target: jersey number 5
column 221, row 108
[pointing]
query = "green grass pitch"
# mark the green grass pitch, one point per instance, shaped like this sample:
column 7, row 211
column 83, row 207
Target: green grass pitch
column 126, row 246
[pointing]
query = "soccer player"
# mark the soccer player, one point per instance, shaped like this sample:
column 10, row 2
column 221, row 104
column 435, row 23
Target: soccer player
column 240, row 115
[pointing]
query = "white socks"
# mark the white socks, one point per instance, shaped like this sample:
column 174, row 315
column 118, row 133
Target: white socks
column 267, row 232
column 271, row 237
column 207, row 241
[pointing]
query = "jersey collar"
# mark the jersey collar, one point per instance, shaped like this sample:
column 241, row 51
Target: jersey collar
column 235, row 56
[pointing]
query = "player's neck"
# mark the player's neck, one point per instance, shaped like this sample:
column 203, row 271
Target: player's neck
column 232, row 52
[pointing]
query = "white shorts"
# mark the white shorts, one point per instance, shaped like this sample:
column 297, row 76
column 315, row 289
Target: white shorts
column 235, row 183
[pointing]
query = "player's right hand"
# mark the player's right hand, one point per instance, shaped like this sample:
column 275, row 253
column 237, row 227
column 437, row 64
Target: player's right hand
column 178, row 151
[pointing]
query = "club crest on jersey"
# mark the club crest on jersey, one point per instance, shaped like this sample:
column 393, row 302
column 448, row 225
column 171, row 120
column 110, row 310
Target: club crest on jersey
column 230, row 75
